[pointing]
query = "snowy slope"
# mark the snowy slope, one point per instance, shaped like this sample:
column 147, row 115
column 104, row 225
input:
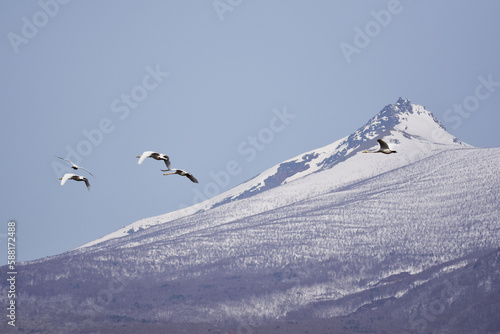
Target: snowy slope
column 410, row 129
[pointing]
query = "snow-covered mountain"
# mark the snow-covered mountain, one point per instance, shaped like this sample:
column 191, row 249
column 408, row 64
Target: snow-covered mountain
column 397, row 123
column 410, row 129
column 333, row 240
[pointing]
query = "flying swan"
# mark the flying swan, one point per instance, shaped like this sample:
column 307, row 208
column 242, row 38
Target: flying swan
column 69, row 176
column 155, row 155
column 74, row 166
column 384, row 148
column 183, row 173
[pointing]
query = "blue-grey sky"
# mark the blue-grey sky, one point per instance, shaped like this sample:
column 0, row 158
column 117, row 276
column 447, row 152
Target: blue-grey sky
column 208, row 83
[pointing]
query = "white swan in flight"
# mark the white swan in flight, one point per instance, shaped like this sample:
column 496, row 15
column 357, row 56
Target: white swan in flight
column 155, row 155
column 70, row 176
column 183, row 173
column 384, row 148
column 75, row 166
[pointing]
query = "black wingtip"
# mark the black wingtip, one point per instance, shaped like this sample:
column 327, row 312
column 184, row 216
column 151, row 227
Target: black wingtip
column 192, row 178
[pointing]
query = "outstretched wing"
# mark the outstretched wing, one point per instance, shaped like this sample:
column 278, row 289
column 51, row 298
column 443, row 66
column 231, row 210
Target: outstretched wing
column 167, row 162
column 86, row 170
column 66, row 177
column 144, row 156
column 87, row 182
column 191, row 177
column 71, row 162
column 383, row 145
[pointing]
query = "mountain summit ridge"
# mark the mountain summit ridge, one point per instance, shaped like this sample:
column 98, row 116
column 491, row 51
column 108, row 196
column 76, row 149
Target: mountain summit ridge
column 403, row 117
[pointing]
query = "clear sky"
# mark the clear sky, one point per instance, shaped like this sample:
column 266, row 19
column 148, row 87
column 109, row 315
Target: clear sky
column 212, row 83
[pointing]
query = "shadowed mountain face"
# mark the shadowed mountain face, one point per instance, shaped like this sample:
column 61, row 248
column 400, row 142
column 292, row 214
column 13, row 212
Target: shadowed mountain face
column 284, row 171
column 373, row 243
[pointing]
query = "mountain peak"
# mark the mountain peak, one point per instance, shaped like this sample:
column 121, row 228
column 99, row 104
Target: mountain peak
column 401, row 106
column 398, row 109
column 400, row 113
column 405, row 102
column 397, row 123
